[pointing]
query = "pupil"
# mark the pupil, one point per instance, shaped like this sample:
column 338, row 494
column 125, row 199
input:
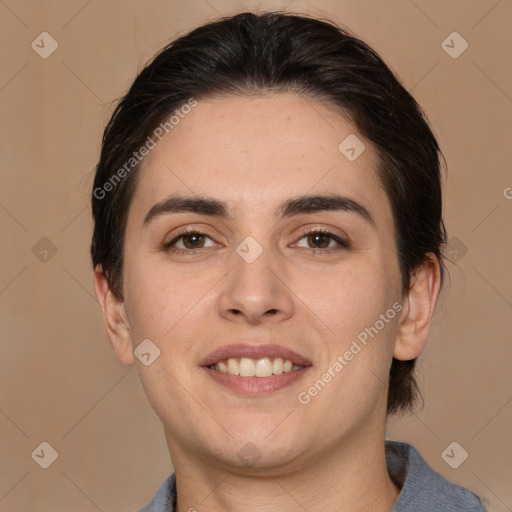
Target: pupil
column 194, row 237
column 316, row 238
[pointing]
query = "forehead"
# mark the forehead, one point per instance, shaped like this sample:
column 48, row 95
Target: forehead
column 246, row 149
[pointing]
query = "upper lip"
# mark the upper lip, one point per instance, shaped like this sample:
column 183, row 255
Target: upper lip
column 254, row 352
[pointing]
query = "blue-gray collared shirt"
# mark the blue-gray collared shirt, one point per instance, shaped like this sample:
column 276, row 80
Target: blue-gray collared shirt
column 422, row 489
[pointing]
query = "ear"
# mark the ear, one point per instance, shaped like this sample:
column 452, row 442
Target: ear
column 418, row 311
column 114, row 314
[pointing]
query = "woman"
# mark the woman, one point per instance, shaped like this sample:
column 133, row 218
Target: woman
column 268, row 249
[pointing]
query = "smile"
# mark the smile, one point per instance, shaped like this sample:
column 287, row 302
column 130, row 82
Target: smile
column 251, row 369
column 261, row 367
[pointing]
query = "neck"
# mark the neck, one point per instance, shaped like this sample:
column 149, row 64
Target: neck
column 349, row 478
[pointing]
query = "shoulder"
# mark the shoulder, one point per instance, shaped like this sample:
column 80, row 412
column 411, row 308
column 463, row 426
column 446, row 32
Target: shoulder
column 164, row 499
column 423, row 489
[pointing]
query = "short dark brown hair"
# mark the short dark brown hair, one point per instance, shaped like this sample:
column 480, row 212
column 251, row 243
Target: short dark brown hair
column 249, row 54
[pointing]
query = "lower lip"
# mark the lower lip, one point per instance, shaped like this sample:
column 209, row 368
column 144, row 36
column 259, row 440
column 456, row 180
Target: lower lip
column 256, row 386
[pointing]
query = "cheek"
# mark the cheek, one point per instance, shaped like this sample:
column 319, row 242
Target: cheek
column 165, row 302
column 351, row 298
column 357, row 306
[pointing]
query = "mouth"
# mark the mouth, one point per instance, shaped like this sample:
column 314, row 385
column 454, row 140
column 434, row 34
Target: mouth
column 262, row 367
column 255, row 369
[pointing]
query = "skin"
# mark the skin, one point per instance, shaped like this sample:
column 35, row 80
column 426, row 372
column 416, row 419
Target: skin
column 253, row 153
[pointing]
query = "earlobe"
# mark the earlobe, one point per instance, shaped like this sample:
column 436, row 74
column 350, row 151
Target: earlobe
column 114, row 314
column 418, row 311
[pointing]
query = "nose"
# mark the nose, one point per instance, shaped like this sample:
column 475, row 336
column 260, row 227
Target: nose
column 256, row 291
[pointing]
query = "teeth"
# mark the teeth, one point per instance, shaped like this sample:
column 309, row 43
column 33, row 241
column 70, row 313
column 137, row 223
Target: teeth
column 263, row 367
column 233, row 367
column 277, row 366
column 247, row 367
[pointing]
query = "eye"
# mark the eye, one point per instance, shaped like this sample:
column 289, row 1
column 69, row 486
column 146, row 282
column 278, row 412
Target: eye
column 193, row 240
column 323, row 238
column 190, row 240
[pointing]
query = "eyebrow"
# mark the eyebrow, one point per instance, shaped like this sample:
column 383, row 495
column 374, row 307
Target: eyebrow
column 288, row 208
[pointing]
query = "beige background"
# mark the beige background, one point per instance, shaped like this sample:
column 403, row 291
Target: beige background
column 60, row 380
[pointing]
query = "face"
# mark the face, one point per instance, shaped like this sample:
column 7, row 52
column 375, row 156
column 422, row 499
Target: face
column 268, row 281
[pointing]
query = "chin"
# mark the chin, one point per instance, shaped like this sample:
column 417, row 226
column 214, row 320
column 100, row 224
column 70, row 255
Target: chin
column 250, row 458
column 258, row 449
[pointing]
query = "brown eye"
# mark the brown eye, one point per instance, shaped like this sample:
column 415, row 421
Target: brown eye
column 321, row 240
column 193, row 240
column 190, row 240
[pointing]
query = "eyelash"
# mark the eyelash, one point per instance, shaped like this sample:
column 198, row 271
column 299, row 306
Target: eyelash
column 343, row 244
